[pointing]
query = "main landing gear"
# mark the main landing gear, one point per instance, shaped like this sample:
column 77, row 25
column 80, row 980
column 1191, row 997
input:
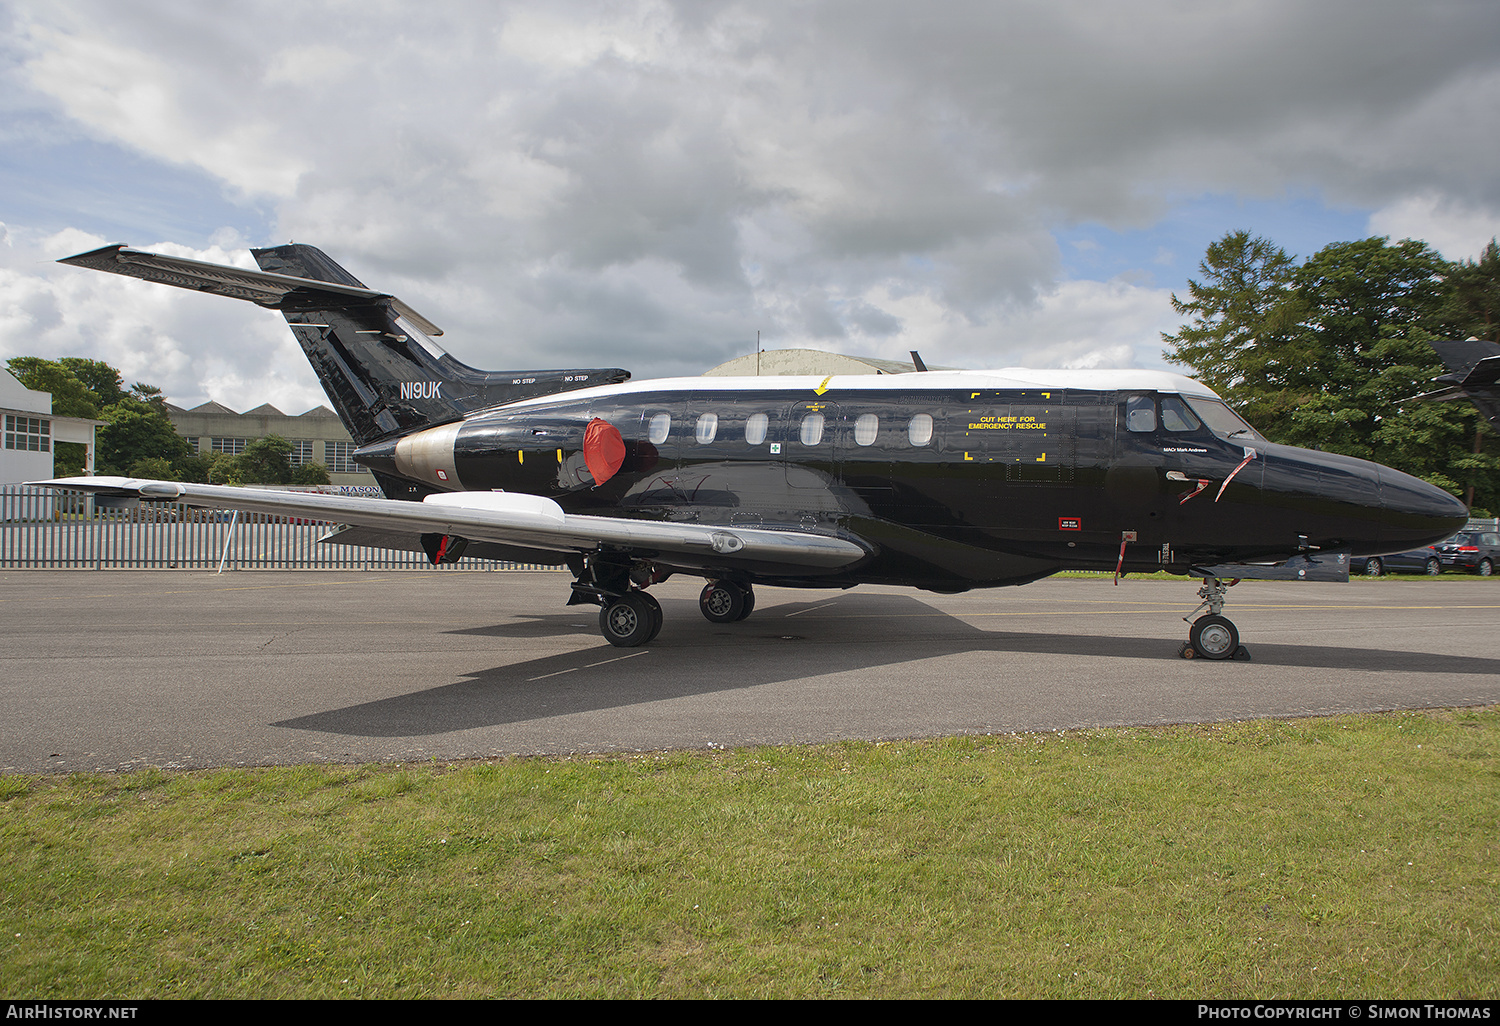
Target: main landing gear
column 635, row 617
column 629, row 617
column 630, row 620
column 1213, row 636
column 726, row 601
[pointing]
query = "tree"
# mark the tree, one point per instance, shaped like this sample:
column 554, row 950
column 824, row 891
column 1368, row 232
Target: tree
column 70, row 396
column 1473, row 307
column 1329, row 353
column 1240, row 308
column 135, row 431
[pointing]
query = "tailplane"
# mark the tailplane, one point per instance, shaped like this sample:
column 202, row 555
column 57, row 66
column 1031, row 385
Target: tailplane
column 1473, row 374
column 374, row 355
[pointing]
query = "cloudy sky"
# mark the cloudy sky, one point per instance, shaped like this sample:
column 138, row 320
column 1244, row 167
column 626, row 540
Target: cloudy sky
column 648, row 184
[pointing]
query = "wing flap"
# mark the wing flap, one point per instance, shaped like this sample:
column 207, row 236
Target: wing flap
column 509, row 518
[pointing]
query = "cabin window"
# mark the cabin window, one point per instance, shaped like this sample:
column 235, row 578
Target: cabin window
column 812, row 429
column 755, row 428
column 660, row 425
column 1140, row 413
column 708, row 426
column 866, row 428
column 919, row 429
column 1175, row 416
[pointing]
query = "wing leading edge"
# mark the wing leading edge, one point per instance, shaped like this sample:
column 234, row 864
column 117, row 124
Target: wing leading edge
column 512, row 518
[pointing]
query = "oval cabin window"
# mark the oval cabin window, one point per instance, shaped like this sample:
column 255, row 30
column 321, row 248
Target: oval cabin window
column 755, row 428
column 919, row 429
column 708, row 426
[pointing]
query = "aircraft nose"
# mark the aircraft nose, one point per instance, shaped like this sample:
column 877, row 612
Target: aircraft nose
column 1416, row 513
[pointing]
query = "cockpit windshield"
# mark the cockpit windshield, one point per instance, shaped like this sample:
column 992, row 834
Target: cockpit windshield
column 1223, row 421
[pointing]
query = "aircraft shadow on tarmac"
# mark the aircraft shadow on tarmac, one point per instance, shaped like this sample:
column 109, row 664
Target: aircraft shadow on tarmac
column 791, row 641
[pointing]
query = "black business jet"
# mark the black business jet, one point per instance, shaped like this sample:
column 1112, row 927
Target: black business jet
column 943, row 480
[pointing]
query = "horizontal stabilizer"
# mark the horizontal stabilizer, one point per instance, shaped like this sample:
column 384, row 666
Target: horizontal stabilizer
column 263, row 288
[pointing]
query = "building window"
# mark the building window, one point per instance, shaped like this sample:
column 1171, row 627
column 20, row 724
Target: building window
column 301, row 454
column 29, row 434
column 231, row 446
column 192, row 444
column 340, row 457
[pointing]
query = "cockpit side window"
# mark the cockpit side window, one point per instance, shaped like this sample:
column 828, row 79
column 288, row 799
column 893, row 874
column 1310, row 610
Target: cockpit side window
column 1175, row 416
column 1140, row 413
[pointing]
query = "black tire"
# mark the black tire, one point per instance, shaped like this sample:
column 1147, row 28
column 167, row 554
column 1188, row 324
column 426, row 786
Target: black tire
column 749, row 604
column 1485, row 568
column 722, row 602
column 1432, row 567
column 1374, row 567
column 629, row 621
column 1214, row 637
column 656, row 615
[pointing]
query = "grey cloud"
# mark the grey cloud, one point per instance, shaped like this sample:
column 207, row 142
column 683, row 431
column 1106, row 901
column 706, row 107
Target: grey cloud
column 648, row 184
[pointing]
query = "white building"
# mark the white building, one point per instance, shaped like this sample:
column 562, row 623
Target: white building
column 31, row 431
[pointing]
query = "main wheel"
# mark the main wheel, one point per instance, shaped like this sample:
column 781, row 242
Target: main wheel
column 1433, row 567
column 656, row 614
column 1374, row 567
column 1214, row 637
column 749, row 603
column 630, row 620
column 722, row 602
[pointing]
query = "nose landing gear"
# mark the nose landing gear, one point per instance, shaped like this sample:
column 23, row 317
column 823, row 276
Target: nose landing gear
column 1213, row 636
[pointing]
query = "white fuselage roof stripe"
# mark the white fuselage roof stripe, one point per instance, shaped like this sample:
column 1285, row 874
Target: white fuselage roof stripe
column 944, row 381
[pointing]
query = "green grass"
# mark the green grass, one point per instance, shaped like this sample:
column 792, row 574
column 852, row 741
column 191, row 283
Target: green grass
column 1353, row 856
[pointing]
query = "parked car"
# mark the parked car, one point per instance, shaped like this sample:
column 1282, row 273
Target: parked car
column 1474, row 551
column 1425, row 560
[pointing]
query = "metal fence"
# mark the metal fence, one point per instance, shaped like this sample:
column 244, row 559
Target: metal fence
column 45, row 529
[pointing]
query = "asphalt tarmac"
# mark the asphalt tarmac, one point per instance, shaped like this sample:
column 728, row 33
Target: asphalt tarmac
column 119, row 670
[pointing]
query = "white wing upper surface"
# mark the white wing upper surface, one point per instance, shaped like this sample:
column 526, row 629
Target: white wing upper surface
column 509, row 518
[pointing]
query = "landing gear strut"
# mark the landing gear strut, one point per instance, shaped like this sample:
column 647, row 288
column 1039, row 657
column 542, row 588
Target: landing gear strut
column 1213, row 636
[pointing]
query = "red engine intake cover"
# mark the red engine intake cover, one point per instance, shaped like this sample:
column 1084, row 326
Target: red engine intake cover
column 603, row 450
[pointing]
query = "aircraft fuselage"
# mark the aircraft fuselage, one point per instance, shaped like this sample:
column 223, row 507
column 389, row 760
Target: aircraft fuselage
column 955, row 480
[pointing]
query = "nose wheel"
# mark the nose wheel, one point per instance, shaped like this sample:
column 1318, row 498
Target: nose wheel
column 1213, row 635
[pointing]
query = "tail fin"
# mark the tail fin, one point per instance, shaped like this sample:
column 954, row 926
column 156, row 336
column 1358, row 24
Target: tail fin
column 373, row 354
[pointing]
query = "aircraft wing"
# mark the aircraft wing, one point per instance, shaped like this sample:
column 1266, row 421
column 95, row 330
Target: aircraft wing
column 512, row 518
